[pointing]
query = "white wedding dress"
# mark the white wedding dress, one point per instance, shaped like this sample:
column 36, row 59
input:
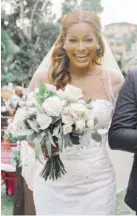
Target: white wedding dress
column 88, row 187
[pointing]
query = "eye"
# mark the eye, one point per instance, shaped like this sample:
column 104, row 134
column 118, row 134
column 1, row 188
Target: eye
column 73, row 40
column 89, row 40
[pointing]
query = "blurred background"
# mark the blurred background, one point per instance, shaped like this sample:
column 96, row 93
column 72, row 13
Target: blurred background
column 28, row 30
column 30, row 27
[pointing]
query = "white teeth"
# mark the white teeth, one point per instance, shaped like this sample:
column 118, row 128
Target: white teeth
column 81, row 56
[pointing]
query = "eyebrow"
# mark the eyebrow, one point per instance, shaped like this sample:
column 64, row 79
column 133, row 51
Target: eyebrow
column 84, row 36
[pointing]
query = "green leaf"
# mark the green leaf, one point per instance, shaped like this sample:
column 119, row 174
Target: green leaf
column 60, row 144
column 38, row 151
column 40, row 100
column 56, row 131
column 51, row 94
column 42, row 89
column 50, row 138
column 89, row 101
column 33, row 124
column 49, row 147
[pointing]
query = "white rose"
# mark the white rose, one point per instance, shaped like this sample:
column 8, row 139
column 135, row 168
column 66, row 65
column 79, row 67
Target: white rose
column 53, row 106
column 67, row 119
column 80, row 125
column 79, row 111
column 78, row 107
column 90, row 123
column 20, row 129
column 91, row 114
column 73, row 93
column 61, row 94
column 75, row 115
column 31, row 96
column 50, row 87
column 66, row 110
column 85, row 115
column 20, row 115
column 67, row 129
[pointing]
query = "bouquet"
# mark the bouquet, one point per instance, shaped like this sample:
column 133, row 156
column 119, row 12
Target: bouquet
column 52, row 119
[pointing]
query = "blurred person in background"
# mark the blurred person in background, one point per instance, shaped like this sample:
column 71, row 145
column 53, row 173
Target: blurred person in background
column 16, row 98
column 6, row 111
column 7, row 169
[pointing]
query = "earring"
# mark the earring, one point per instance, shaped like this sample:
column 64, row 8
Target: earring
column 99, row 52
column 64, row 47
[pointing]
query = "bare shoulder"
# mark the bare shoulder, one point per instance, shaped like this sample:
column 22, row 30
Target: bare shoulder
column 38, row 78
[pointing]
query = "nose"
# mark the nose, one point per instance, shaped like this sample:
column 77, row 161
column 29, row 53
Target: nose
column 81, row 46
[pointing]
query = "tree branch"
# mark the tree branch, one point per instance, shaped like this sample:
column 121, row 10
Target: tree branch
column 22, row 14
column 31, row 19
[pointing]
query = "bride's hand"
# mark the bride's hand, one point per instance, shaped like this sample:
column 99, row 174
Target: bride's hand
column 55, row 150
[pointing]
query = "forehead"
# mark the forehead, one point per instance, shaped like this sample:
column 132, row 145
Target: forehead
column 80, row 29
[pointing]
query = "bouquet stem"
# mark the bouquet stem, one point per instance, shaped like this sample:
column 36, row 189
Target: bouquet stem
column 53, row 168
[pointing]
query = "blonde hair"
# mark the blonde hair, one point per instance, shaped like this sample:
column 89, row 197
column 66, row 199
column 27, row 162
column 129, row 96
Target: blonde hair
column 58, row 73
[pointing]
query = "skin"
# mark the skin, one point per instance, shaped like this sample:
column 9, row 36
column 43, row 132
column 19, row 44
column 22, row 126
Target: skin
column 81, row 41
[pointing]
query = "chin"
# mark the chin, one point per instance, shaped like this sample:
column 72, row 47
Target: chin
column 82, row 64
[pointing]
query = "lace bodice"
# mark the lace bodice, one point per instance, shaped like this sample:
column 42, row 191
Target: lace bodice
column 103, row 111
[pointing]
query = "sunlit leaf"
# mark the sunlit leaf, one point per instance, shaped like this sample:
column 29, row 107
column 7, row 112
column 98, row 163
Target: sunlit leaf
column 42, row 89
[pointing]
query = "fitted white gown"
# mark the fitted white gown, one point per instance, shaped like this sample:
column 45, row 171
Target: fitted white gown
column 88, row 187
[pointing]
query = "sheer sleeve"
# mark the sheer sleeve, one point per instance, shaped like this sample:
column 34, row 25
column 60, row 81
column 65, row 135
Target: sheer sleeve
column 42, row 76
column 113, row 81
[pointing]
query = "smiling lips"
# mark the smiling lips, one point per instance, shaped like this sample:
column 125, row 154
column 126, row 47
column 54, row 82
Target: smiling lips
column 81, row 58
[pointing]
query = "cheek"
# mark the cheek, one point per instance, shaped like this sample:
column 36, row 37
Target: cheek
column 92, row 50
column 70, row 50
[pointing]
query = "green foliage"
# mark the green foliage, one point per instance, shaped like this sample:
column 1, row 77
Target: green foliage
column 91, row 5
column 89, row 101
column 23, row 46
column 8, row 46
column 130, row 39
column 68, row 6
column 42, row 89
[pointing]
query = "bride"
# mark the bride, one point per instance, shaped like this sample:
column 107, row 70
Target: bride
column 89, row 187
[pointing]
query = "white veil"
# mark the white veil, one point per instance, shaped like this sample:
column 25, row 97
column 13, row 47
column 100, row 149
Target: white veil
column 119, row 159
column 108, row 64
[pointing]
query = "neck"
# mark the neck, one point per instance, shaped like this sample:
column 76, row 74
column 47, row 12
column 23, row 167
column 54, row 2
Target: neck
column 82, row 72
